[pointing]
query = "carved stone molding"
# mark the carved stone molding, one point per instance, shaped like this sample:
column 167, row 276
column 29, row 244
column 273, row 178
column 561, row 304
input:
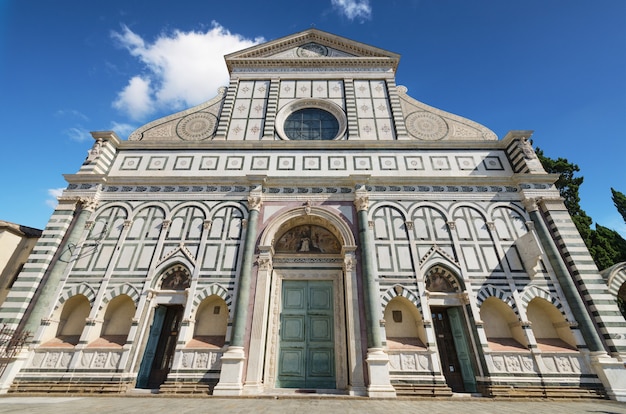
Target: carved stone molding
column 264, row 262
column 207, row 224
column 530, row 204
column 88, row 204
column 349, row 263
column 94, row 152
column 362, row 202
column 254, row 202
column 527, row 149
column 409, row 225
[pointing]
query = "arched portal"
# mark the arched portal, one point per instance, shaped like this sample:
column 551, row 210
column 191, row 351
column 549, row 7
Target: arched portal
column 303, row 335
column 447, row 300
column 166, row 319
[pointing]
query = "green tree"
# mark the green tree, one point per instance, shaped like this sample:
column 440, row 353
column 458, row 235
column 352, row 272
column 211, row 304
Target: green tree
column 619, row 199
column 568, row 186
column 606, row 246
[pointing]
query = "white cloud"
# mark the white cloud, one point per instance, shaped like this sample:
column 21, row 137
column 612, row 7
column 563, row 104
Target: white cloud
column 78, row 134
column 122, row 130
column 182, row 68
column 354, row 9
column 136, row 98
column 54, row 193
column 72, row 113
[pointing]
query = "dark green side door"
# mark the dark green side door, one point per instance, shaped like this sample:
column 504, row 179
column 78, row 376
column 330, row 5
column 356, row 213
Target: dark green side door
column 159, row 353
column 306, row 356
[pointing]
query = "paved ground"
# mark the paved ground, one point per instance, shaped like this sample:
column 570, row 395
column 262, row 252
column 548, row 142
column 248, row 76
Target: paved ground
column 299, row 405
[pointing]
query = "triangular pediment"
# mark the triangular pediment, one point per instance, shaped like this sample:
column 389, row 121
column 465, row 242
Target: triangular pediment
column 312, row 47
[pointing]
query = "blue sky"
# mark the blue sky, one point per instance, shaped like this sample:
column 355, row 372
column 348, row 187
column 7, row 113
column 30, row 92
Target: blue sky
column 68, row 67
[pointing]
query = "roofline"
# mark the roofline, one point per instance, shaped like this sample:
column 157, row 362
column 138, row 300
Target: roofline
column 364, row 50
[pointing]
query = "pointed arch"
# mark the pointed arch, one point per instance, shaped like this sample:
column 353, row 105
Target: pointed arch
column 443, row 274
column 166, row 269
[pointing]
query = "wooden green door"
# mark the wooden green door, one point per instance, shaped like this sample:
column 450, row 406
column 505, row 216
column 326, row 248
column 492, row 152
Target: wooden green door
column 462, row 348
column 306, row 356
column 454, row 351
column 159, row 353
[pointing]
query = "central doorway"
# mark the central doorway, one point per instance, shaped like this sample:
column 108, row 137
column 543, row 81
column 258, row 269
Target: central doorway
column 306, row 356
column 453, row 348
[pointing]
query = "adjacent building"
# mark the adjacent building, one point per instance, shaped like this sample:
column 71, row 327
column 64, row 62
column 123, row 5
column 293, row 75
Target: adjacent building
column 313, row 228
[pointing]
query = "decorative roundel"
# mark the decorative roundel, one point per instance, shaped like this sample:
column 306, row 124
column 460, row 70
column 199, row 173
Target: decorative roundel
column 426, row 126
column 312, row 50
column 197, row 126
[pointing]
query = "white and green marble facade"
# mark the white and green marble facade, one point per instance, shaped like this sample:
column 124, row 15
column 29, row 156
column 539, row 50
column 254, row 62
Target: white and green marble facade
column 408, row 191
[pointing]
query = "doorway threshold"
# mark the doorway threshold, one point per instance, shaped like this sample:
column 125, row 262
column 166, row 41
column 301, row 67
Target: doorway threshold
column 466, row 395
column 142, row 391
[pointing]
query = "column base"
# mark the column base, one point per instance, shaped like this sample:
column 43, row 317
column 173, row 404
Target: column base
column 253, row 389
column 612, row 373
column 231, row 376
column 378, row 369
column 12, row 369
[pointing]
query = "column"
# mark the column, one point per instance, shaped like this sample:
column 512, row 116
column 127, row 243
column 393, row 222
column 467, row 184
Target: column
column 231, row 376
column 587, row 329
column 377, row 359
column 610, row 371
column 45, row 299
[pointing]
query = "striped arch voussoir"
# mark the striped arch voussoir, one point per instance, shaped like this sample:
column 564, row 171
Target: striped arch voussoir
column 210, row 291
column 82, row 289
column 533, row 292
column 124, row 289
column 401, row 291
column 492, row 291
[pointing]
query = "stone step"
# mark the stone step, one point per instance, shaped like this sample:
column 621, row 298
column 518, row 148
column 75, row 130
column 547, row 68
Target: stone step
column 422, row 390
column 172, row 387
column 67, row 387
column 544, row 392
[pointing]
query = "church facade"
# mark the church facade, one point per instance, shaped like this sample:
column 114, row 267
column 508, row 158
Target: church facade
column 313, row 228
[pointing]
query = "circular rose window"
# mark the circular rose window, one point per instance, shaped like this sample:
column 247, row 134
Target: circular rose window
column 311, row 120
column 311, row 124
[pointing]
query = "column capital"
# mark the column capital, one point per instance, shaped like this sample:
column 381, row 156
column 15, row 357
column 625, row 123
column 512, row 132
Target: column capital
column 349, row 263
column 264, row 261
column 88, row 203
column 255, row 201
column 362, row 201
column 530, row 204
